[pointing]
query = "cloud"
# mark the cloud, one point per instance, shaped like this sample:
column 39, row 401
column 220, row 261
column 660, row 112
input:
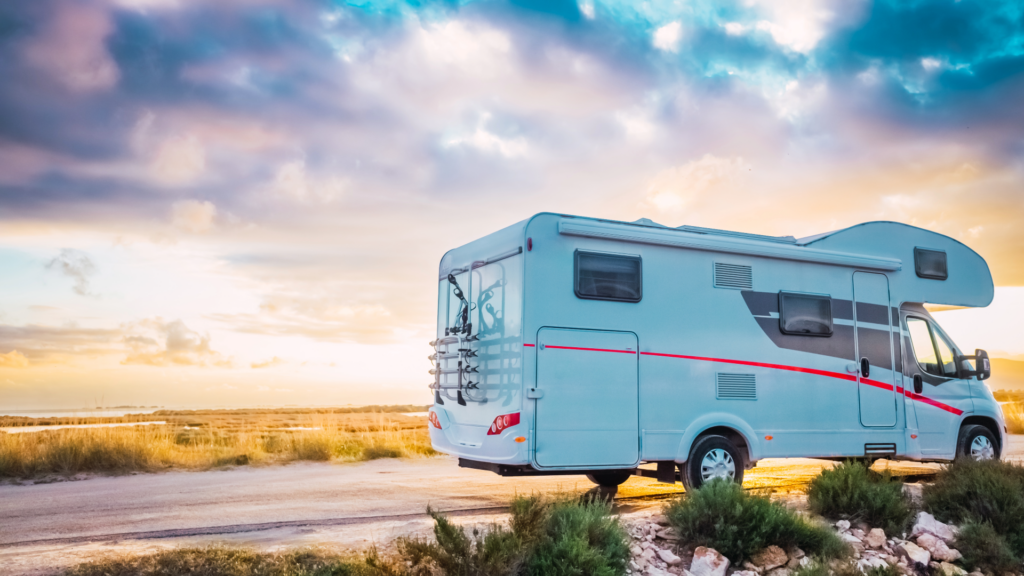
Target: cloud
column 294, row 182
column 179, row 160
column 13, row 359
column 70, row 48
column 59, row 345
column 76, row 265
column 487, row 141
column 275, row 361
column 674, row 189
column 193, row 215
column 157, row 343
column 667, row 37
column 325, row 319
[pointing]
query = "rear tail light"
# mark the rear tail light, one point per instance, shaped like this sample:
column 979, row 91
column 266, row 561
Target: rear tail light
column 433, row 420
column 502, row 422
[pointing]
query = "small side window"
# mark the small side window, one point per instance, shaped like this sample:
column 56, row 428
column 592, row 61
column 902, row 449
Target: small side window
column 930, row 264
column 805, row 314
column 608, row 277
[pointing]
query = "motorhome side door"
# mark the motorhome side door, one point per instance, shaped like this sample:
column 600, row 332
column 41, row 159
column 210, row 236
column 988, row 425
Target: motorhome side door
column 872, row 321
column 588, row 412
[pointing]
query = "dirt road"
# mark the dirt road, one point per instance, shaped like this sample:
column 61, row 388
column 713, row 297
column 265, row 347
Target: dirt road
column 351, row 505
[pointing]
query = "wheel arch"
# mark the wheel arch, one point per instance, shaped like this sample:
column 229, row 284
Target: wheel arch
column 987, row 422
column 737, row 431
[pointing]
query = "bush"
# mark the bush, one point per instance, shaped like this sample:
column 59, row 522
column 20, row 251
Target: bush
column 218, row 561
column 988, row 492
column 854, row 491
column 543, row 538
column 722, row 516
column 984, row 549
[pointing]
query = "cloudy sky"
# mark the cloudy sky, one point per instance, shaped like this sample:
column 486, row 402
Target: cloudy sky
column 244, row 202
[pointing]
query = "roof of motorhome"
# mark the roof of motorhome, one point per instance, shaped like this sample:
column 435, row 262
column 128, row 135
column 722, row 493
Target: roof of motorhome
column 880, row 246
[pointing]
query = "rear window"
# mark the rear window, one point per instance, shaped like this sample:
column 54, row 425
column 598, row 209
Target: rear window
column 608, row 277
column 805, row 314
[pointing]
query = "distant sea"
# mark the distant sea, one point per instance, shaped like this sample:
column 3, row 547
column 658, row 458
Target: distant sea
column 79, row 413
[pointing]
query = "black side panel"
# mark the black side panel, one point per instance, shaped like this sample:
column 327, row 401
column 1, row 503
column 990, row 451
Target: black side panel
column 762, row 303
column 839, row 345
column 875, row 346
column 897, row 350
column 872, row 313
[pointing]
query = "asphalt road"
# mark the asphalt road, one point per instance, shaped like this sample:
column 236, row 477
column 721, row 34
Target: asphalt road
column 306, row 503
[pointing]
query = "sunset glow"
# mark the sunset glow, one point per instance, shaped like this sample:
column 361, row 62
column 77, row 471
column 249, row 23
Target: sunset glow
column 244, row 203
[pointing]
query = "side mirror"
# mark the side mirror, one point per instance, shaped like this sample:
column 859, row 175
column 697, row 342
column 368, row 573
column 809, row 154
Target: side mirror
column 865, row 368
column 982, row 365
column 918, row 384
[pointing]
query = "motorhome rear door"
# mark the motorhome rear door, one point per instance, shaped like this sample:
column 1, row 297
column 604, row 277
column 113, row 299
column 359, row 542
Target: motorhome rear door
column 872, row 320
column 588, row 414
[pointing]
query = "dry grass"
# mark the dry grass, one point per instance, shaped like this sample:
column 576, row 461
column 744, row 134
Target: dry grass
column 219, row 561
column 200, row 442
column 1014, row 415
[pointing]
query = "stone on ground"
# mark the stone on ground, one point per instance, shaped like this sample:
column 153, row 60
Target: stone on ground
column 927, row 524
column 875, row 538
column 938, row 549
column 914, row 553
column 708, row 562
column 669, row 558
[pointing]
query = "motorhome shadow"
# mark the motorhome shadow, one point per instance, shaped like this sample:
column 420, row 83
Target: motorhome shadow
column 570, row 345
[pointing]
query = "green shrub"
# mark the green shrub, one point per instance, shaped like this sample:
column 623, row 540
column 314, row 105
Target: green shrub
column 989, row 492
column 984, row 549
column 542, row 538
column 722, row 516
column 854, row 491
column 218, row 561
column 378, row 452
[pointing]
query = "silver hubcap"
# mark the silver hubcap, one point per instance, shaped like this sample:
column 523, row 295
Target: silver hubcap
column 717, row 464
column 982, row 449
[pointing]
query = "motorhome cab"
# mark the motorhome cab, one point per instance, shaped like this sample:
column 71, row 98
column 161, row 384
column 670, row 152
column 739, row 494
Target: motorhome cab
column 569, row 345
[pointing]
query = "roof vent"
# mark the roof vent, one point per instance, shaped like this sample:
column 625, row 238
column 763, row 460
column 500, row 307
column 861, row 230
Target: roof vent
column 735, row 386
column 735, row 276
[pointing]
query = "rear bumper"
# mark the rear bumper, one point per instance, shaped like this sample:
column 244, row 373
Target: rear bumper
column 498, row 449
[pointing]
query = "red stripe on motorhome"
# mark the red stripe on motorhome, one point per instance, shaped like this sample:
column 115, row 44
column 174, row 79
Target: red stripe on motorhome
column 814, row 371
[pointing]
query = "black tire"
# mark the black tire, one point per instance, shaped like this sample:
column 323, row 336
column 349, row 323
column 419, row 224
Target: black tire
column 973, row 441
column 610, row 478
column 692, row 474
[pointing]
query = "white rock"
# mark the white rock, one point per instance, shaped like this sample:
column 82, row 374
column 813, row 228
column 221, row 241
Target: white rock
column 744, row 573
column 927, row 524
column 796, row 553
column 947, row 569
column 914, row 553
column 635, row 550
column 866, row 564
column 634, row 566
column 748, row 567
column 660, row 519
column 938, row 549
column 708, row 562
column 875, row 538
column 648, row 554
column 858, row 533
column 669, row 558
column 843, row 525
column 668, row 534
column 779, row 572
column 847, row 537
column 655, row 571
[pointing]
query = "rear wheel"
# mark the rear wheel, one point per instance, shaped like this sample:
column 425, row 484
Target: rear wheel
column 712, row 457
column 610, row 478
column 976, row 442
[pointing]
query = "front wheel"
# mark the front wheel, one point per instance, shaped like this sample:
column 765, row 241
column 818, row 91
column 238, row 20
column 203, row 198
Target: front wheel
column 712, row 457
column 976, row 443
column 610, row 478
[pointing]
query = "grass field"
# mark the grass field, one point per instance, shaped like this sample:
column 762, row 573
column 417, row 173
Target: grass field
column 198, row 440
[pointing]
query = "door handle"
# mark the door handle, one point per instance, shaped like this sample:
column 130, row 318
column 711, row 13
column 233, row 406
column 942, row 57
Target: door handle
column 918, row 384
column 865, row 367
column 534, row 393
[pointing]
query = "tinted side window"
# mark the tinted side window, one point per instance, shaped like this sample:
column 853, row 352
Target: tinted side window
column 805, row 314
column 608, row 277
column 930, row 263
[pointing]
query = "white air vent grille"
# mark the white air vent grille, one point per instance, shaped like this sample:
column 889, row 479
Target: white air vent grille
column 734, row 276
column 735, row 386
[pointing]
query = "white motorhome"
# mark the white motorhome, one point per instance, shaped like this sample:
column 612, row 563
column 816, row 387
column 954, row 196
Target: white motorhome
column 571, row 345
